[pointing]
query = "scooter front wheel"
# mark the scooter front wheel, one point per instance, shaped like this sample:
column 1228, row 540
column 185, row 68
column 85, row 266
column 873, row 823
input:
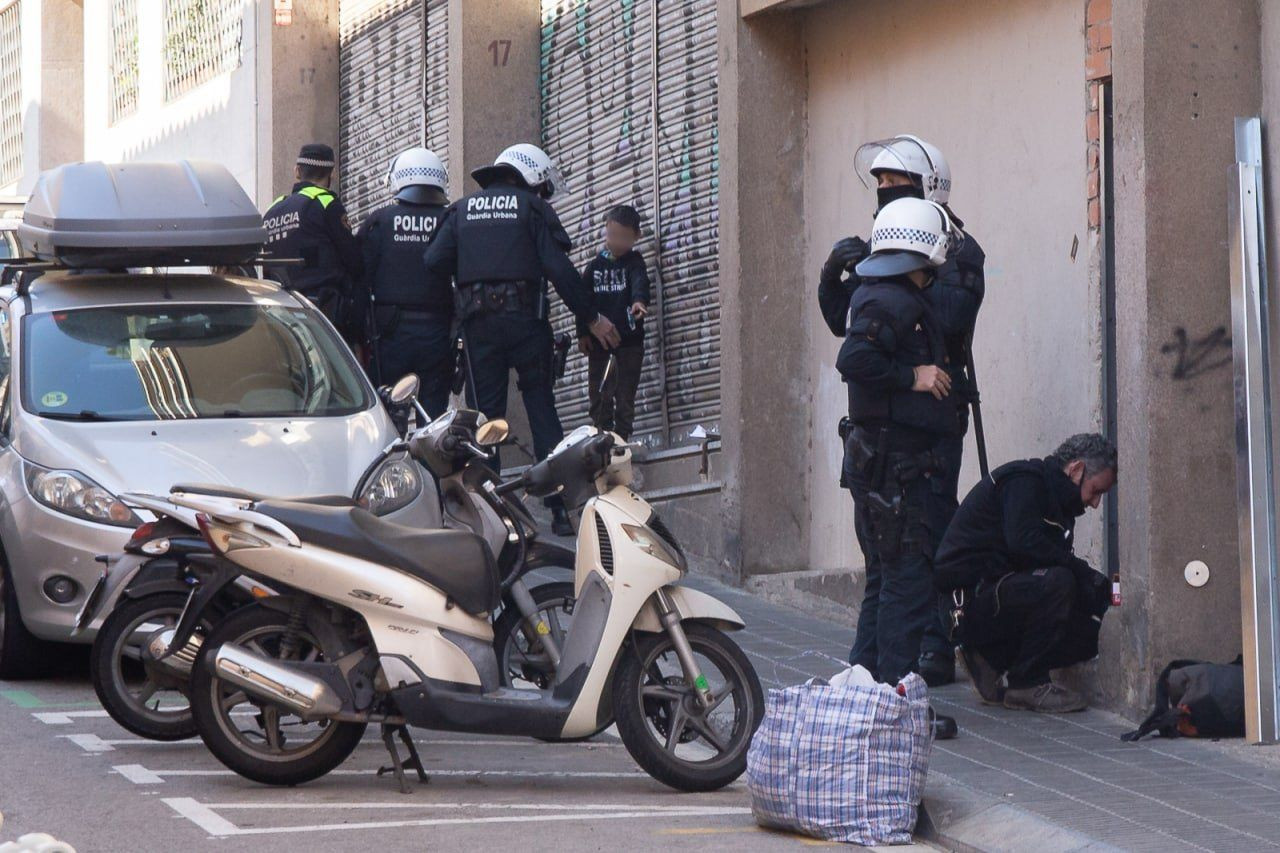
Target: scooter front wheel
column 257, row 739
column 664, row 725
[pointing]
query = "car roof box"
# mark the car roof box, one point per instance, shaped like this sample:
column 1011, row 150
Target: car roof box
column 117, row 215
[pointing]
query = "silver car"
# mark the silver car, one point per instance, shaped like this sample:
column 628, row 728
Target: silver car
column 117, row 382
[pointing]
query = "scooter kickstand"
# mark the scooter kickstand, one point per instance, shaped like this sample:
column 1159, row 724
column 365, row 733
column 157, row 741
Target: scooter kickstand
column 397, row 766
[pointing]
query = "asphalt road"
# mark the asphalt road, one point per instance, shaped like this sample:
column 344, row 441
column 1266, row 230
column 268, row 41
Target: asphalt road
column 68, row 770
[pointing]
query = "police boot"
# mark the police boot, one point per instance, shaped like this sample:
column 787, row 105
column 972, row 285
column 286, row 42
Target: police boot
column 560, row 523
column 936, row 669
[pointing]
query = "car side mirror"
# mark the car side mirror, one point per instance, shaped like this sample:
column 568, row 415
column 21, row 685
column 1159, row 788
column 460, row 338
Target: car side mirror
column 404, row 390
column 492, row 432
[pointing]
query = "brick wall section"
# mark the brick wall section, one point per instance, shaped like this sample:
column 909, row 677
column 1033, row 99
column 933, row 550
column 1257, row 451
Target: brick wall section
column 1097, row 66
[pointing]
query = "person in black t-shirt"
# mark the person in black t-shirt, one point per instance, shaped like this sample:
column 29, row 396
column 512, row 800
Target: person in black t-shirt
column 621, row 284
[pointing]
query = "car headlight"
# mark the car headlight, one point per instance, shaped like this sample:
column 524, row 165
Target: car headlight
column 74, row 494
column 393, row 485
column 653, row 545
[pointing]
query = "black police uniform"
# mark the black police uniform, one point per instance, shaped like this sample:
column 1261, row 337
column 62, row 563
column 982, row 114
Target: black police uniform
column 501, row 245
column 956, row 296
column 311, row 223
column 412, row 310
column 893, row 467
column 1029, row 604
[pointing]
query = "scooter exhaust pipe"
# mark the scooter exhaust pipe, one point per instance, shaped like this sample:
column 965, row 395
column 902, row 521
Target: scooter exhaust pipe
column 177, row 665
column 275, row 682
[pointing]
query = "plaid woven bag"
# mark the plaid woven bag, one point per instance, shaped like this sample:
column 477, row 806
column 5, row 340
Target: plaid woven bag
column 842, row 763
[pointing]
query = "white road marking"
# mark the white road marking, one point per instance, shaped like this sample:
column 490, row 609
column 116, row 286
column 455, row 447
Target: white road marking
column 205, row 816
column 140, row 775
column 63, row 718
column 93, row 743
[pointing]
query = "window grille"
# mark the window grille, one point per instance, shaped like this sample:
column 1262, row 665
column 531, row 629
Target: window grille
column 201, row 41
column 123, row 97
column 10, row 95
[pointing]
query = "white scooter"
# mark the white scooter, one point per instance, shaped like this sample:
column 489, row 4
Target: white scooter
column 377, row 623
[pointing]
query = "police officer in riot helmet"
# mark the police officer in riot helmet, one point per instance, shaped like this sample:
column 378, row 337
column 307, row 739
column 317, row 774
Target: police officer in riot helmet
column 906, row 166
column 501, row 245
column 310, row 223
column 895, row 364
column 408, row 311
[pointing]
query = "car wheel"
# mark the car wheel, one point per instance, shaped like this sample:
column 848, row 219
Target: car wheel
column 21, row 654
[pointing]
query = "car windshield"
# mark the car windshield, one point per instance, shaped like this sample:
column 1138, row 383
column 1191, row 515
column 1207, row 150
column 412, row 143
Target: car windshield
column 186, row 361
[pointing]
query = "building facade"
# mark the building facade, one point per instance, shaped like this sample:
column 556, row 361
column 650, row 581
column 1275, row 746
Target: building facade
column 1089, row 142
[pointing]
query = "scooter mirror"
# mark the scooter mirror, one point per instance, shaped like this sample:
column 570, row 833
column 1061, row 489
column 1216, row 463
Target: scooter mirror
column 405, row 390
column 492, row 432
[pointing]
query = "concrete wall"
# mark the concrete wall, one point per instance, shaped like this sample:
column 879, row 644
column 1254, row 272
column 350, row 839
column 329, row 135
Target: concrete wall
column 1179, row 85
column 763, row 336
column 52, row 87
column 1015, row 143
column 251, row 119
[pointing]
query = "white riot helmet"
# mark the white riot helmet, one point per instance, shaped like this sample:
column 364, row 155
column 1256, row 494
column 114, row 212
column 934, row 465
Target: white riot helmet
column 910, row 155
column 417, row 175
column 908, row 234
column 530, row 163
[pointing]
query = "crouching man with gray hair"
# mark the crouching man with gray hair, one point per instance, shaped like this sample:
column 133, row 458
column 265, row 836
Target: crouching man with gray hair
column 1022, row 602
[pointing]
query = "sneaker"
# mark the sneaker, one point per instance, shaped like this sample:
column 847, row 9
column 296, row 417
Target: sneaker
column 937, row 669
column 560, row 523
column 944, row 727
column 1045, row 698
column 985, row 677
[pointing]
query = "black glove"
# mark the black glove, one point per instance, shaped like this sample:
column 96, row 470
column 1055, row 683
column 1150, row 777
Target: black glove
column 844, row 254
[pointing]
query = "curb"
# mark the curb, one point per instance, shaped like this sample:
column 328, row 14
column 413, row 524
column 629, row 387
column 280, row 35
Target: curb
column 958, row 818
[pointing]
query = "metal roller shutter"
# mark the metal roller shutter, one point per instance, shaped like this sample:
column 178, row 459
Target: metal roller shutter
column 598, row 116
column 389, row 98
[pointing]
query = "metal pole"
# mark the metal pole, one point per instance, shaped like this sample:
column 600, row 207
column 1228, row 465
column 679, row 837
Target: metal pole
column 1255, row 498
column 657, row 228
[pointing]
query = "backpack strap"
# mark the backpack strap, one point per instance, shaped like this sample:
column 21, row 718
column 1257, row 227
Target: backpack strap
column 1163, row 717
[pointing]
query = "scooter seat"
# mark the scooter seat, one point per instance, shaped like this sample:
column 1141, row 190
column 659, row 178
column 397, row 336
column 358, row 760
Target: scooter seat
column 456, row 562
column 219, row 491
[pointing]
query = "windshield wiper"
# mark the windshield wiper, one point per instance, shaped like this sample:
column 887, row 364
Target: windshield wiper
column 82, row 415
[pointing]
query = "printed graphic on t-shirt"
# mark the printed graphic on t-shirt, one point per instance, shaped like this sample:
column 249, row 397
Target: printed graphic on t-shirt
column 613, row 280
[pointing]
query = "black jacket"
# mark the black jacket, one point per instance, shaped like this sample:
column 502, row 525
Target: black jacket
column 892, row 329
column 618, row 283
column 506, row 233
column 1021, row 517
column 393, row 240
column 311, row 223
column 956, row 296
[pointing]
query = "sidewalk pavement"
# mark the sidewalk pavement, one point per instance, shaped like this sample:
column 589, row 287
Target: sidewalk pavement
column 1015, row 780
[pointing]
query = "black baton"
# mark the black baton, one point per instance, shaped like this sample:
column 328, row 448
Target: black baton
column 975, row 401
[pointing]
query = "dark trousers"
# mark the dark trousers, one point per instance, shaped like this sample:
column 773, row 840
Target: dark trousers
column 498, row 343
column 950, row 451
column 613, row 406
column 1027, row 623
column 900, row 600
column 421, row 344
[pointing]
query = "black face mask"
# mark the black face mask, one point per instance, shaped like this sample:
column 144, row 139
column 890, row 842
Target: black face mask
column 1074, row 505
column 884, row 195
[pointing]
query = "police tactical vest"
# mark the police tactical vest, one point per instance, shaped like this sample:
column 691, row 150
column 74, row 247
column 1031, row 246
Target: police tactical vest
column 402, row 231
column 915, row 343
column 495, row 237
column 295, row 229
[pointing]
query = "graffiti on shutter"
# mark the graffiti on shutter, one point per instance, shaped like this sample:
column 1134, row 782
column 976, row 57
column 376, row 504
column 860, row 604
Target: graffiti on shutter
column 606, row 79
column 389, row 98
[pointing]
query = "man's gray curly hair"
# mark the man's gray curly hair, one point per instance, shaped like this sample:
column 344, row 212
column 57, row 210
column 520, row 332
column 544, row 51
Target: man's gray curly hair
column 1097, row 453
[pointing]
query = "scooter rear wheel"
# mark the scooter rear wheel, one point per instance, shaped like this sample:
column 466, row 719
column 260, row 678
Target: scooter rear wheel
column 664, row 727
column 135, row 698
column 259, row 740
